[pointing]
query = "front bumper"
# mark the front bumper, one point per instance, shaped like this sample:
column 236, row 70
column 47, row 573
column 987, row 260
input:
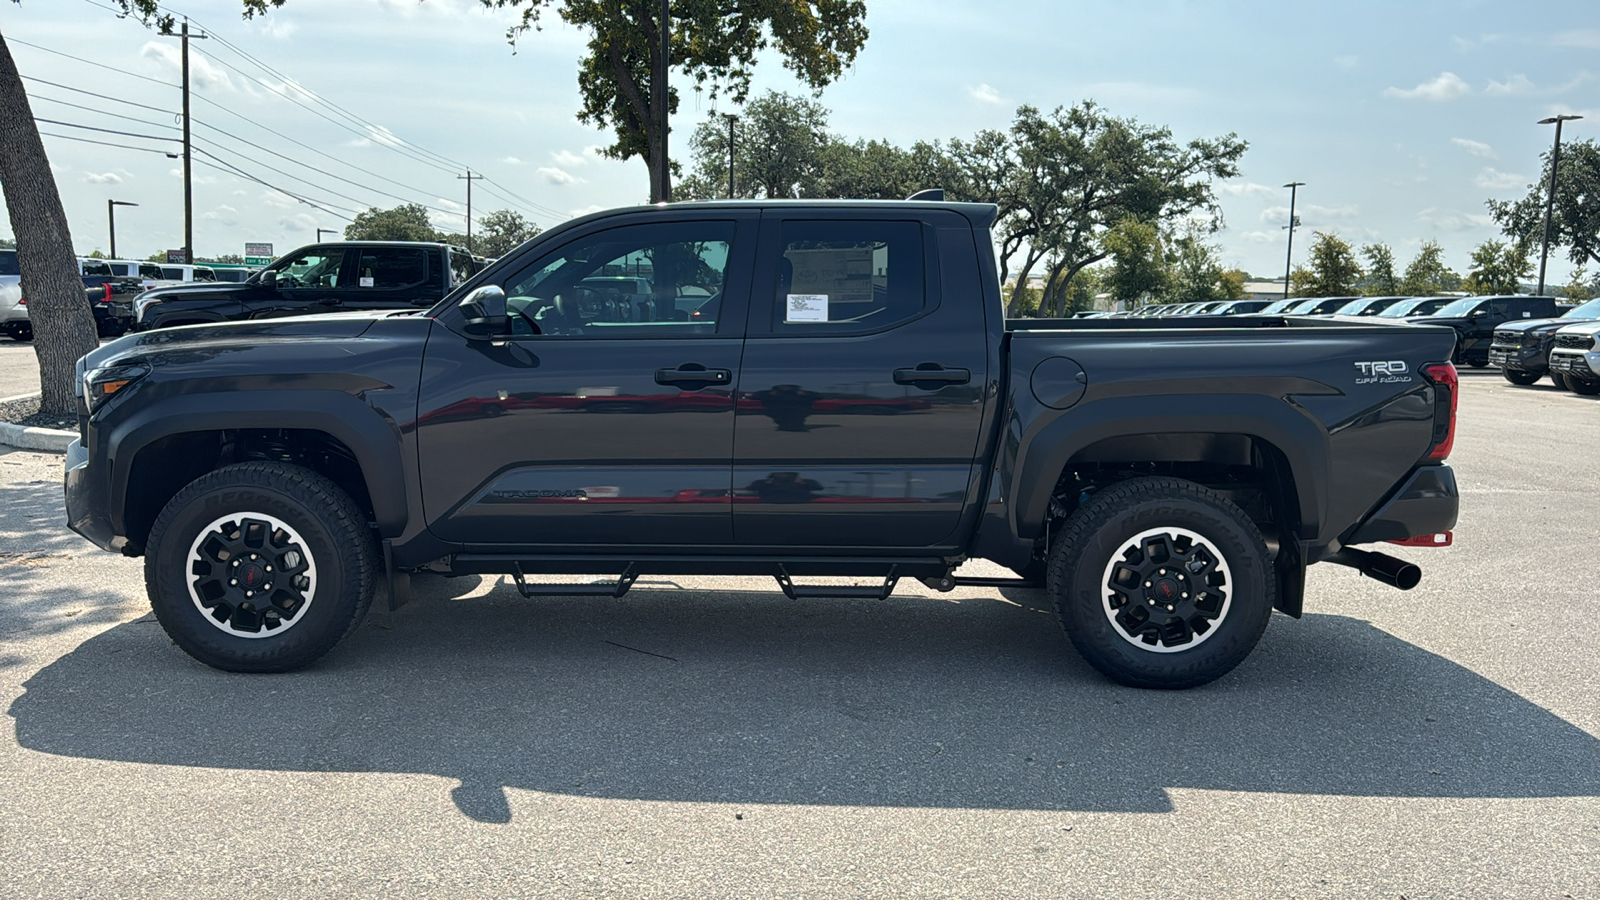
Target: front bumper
column 1427, row 503
column 88, row 509
column 1518, row 359
column 1585, row 366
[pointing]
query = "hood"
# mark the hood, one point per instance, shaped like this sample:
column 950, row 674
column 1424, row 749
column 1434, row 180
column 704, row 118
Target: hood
column 223, row 335
column 1448, row 321
column 1590, row 327
column 1538, row 324
column 208, row 290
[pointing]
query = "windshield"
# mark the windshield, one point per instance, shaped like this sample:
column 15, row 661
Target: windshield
column 1278, row 306
column 1590, row 310
column 1421, row 306
column 1353, row 308
column 1460, row 308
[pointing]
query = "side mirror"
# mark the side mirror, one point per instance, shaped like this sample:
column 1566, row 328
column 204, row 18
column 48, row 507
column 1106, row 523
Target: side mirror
column 484, row 309
column 1477, row 314
column 268, row 279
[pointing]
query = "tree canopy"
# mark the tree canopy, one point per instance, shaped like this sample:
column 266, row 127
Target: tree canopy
column 1575, row 222
column 1380, row 279
column 1332, row 270
column 1427, row 274
column 499, row 232
column 1498, row 268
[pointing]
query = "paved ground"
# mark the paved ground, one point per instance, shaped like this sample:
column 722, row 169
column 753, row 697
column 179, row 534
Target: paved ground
column 19, row 368
column 721, row 741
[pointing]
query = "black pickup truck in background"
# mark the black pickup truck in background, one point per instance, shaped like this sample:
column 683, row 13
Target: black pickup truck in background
column 1474, row 320
column 790, row 389
column 1522, row 348
column 331, row 277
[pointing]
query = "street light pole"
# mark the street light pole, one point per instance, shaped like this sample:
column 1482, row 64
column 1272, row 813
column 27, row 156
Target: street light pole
column 1550, row 200
column 328, row 230
column 111, row 220
column 732, row 118
column 1288, row 263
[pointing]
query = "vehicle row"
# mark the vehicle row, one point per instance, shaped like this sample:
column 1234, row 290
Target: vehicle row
column 1562, row 347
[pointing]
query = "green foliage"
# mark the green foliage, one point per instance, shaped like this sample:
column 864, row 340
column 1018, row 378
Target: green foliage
column 497, row 234
column 407, row 222
column 1138, row 262
column 1196, row 275
column 1579, row 288
column 1575, row 223
column 777, row 141
column 1427, row 274
column 233, row 259
column 1300, row 281
column 1064, row 181
column 1332, row 270
column 1380, row 280
column 1026, row 301
column 1231, row 284
column 1498, row 268
column 97, row 253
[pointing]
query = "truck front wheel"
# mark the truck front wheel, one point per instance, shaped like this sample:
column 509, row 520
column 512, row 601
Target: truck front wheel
column 1517, row 376
column 1161, row 583
column 260, row 567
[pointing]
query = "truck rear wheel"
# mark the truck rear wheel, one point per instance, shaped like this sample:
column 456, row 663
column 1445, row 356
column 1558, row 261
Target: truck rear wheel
column 1161, row 583
column 1518, row 376
column 260, row 567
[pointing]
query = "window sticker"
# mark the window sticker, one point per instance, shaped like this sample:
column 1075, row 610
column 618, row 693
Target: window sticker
column 367, row 281
column 807, row 308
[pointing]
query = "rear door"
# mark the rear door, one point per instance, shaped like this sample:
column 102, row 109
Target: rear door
column 862, row 395
column 395, row 278
column 596, row 425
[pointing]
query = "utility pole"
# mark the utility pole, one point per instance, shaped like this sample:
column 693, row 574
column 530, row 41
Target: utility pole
column 470, row 178
column 732, row 118
column 111, row 219
column 658, row 96
column 188, row 166
column 1288, row 264
column 1550, row 201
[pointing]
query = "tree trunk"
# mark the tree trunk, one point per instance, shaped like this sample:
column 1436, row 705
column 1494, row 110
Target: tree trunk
column 63, row 326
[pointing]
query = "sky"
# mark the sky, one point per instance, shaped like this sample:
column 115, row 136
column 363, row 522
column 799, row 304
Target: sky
column 1402, row 119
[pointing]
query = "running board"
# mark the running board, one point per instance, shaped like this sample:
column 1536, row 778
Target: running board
column 617, row 589
column 840, row 592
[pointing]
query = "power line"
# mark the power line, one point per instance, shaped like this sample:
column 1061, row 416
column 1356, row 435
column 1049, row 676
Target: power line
column 224, row 166
column 148, row 137
column 90, row 62
column 101, row 112
column 322, row 188
column 68, row 87
column 82, row 140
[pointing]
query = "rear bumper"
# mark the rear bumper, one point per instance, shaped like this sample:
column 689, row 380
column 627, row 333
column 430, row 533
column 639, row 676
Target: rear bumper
column 1427, row 503
column 88, row 512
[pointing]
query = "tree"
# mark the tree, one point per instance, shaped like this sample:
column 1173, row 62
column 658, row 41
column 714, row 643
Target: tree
column 1231, row 284
column 499, row 233
column 63, row 326
column 1333, row 270
column 1065, row 180
column 407, row 222
column 777, row 140
column 231, row 259
column 1380, row 280
column 1427, row 274
column 1196, row 275
column 1579, row 288
column 1575, row 222
column 1138, row 264
column 1497, row 268
column 8, row 244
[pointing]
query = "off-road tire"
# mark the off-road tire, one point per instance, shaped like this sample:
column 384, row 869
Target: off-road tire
column 1559, row 380
column 20, row 331
column 1081, row 568
column 1517, row 376
column 340, row 557
column 1583, row 386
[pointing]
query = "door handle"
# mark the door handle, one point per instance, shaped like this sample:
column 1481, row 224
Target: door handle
column 929, row 376
column 694, row 373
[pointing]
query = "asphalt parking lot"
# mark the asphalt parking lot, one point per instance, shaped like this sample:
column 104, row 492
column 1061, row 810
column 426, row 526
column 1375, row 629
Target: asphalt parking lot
column 706, row 737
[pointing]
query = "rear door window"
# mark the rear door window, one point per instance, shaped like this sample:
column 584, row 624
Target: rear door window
column 838, row 277
column 391, row 267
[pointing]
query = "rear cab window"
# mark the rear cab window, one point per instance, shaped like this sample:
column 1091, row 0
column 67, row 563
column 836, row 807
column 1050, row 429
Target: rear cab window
column 849, row 276
column 391, row 267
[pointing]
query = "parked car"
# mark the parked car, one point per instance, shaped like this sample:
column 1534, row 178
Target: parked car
column 344, row 275
column 273, row 473
column 1573, row 357
column 1522, row 348
column 13, row 315
column 1367, row 306
column 186, row 274
column 1240, row 307
column 1319, row 306
column 1474, row 320
column 148, row 273
column 1416, row 306
column 113, row 314
column 1280, row 307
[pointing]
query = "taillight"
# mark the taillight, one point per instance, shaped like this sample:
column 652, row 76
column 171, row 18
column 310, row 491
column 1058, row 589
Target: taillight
column 1446, row 387
column 106, row 296
column 22, row 302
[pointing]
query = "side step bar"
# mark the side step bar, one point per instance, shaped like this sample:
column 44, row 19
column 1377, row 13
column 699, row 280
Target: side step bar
column 618, row 588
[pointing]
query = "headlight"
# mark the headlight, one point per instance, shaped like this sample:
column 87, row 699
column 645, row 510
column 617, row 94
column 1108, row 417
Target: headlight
column 99, row 384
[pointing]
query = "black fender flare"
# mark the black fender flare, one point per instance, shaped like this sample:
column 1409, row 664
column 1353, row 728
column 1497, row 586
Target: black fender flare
column 373, row 438
column 1049, row 443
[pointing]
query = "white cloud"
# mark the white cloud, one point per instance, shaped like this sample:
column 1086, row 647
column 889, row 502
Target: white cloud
column 1448, row 221
column 1261, row 237
column 1494, row 180
column 1476, row 148
column 512, row 161
column 276, row 26
column 1311, row 215
column 224, row 214
column 105, row 178
column 983, row 93
column 1346, row 62
column 1447, row 86
column 203, row 73
column 1516, row 84
column 591, row 208
column 555, row 175
column 568, row 158
column 1585, row 38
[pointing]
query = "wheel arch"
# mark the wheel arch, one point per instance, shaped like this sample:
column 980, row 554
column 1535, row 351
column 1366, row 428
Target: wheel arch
column 168, row 444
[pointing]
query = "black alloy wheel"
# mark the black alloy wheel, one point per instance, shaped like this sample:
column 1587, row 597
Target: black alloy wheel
column 1161, row 583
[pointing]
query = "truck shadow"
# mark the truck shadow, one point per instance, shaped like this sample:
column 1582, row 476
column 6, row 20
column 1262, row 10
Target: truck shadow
column 973, row 702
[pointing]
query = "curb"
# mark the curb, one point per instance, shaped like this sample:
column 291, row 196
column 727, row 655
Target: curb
column 50, row 440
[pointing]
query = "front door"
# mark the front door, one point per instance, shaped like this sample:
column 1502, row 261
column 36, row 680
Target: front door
column 862, row 395
column 313, row 281
column 603, row 422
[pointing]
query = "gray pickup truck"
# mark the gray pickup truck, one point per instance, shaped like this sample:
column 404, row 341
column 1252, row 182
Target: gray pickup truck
column 785, row 389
